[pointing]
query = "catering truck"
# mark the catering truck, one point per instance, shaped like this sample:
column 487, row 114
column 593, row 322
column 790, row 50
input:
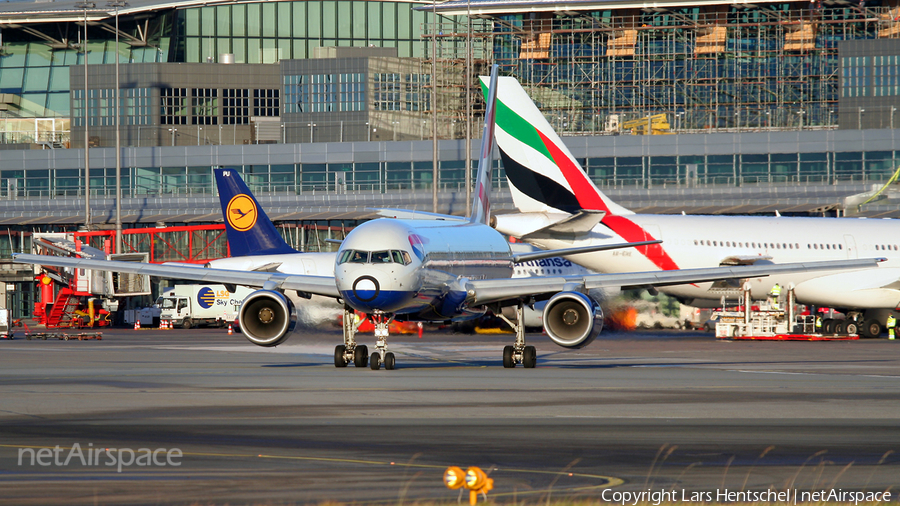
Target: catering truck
column 188, row 306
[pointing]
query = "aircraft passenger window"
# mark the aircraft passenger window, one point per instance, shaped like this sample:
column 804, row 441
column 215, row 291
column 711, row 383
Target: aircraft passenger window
column 715, row 243
column 381, row 257
column 827, row 246
column 359, row 257
column 840, row 246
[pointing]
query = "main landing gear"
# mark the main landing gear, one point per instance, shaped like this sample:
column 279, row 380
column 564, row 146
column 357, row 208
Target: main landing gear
column 359, row 353
column 519, row 353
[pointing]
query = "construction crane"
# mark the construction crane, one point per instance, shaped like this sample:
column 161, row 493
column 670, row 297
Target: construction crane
column 657, row 123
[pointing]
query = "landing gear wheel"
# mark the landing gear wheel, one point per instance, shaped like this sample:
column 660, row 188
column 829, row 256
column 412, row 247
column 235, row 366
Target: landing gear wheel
column 361, row 356
column 871, row 328
column 508, row 361
column 851, row 328
column 375, row 361
column 828, row 326
column 389, row 361
column 529, row 357
column 839, row 327
column 339, row 356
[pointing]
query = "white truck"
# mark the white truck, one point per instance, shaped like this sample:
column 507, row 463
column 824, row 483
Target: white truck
column 187, row 306
column 6, row 324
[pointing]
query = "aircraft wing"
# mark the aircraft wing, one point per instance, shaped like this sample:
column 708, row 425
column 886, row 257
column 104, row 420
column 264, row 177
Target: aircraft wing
column 316, row 285
column 492, row 290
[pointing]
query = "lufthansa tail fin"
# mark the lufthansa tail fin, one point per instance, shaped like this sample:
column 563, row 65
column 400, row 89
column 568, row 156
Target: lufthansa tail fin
column 250, row 232
column 481, row 206
column 543, row 175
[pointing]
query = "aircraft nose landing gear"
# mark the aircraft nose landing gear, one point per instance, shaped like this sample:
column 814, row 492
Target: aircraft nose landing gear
column 382, row 322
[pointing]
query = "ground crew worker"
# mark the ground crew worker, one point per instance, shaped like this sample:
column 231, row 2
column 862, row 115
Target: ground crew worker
column 891, row 323
column 775, row 292
column 818, row 323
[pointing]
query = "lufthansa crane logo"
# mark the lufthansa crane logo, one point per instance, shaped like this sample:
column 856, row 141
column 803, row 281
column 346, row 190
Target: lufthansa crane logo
column 241, row 212
column 206, row 297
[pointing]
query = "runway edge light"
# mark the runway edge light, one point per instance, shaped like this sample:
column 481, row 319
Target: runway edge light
column 454, row 477
column 477, row 482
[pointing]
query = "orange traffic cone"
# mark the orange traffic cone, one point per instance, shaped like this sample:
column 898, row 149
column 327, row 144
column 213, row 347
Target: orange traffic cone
column 230, row 331
column 165, row 325
column 137, row 325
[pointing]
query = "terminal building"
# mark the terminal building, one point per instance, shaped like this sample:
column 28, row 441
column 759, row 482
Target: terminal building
column 330, row 107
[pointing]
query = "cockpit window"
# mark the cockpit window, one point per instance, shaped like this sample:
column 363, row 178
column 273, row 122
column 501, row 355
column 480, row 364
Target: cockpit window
column 377, row 257
column 354, row 256
column 381, row 257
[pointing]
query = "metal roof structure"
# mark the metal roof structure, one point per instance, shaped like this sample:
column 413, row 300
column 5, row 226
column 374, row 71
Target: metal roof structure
column 786, row 200
column 491, row 7
column 31, row 11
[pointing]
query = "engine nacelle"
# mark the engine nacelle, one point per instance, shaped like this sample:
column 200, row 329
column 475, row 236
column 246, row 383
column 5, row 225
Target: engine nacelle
column 267, row 318
column 572, row 319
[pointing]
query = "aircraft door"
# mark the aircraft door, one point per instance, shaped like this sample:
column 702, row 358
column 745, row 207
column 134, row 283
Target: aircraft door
column 850, row 244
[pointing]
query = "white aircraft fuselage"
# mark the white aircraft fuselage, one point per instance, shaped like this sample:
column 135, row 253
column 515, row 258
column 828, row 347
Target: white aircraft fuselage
column 707, row 241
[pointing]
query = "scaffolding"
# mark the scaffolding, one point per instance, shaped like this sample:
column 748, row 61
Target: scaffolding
column 754, row 66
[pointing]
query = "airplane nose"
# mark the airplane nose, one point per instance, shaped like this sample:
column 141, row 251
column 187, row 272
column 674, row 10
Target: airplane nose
column 366, row 288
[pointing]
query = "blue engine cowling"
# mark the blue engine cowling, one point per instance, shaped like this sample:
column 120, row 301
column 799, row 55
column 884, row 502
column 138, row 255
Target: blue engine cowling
column 572, row 319
column 267, row 318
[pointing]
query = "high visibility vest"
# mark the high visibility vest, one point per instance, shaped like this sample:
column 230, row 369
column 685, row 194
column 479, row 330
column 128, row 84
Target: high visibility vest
column 891, row 322
column 776, row 291
column 819, row 322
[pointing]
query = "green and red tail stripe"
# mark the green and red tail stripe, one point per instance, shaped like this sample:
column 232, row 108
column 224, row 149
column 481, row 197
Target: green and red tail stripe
column 540, row 168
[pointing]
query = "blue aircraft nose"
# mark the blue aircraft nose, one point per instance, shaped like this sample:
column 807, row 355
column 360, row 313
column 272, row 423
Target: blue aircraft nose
column 366, row 294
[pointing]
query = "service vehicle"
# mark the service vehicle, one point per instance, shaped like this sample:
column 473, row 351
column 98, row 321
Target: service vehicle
column 188, row 306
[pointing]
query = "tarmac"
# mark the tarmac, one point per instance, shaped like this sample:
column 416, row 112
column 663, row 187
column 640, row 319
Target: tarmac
column 655, row 411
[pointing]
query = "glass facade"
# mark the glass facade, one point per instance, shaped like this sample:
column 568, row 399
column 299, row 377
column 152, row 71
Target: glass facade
column 37, row 70
column 268, row 32
column 392, row 176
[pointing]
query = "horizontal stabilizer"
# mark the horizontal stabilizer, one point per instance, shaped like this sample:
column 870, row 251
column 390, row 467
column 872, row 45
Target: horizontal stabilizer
column 744, row 259
column 579, row 223
column 269, row 267
column 407, row 214
column 537, row 255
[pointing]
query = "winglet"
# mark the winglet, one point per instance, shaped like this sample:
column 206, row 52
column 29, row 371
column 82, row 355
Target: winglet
column 250, row 232
column 481, row 207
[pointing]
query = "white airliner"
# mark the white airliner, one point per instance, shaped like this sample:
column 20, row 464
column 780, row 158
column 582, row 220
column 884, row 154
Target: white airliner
column 561, row 207
column 428, row 270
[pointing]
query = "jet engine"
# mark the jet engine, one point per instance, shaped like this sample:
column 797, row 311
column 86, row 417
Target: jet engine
column 572, row 319
column 267, row 318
